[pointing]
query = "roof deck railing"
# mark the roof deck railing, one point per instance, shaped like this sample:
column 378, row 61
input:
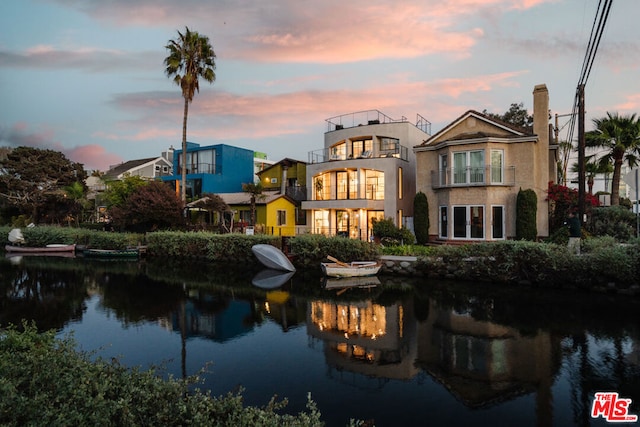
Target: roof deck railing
column 371, row 117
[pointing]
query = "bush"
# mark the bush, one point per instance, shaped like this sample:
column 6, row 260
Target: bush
column 390, row 235
column 615, row 221
column 421, row 218
column 526, row 222
column 312, row 249
column 44, row 381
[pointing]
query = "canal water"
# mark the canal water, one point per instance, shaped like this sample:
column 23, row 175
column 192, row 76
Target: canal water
column 396, row 351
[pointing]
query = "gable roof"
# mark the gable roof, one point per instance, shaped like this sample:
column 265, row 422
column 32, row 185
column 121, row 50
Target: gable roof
column 496, row 129
column 116, row 171
column 244, row 198
column 284, row 162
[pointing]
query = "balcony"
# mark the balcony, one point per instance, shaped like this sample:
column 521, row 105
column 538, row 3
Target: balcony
column 371, row 117
column 207, row 168
column 474, row 177
column 396, row 151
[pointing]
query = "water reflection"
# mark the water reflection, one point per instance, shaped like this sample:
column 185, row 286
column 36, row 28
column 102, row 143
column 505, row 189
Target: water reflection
column 480, row 346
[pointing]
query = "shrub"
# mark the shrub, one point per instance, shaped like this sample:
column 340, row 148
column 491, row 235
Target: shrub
column 421, row 218
column 312, row 249
column 615, row 221
column 526, row 222
column 389, row 234
column 44, row 381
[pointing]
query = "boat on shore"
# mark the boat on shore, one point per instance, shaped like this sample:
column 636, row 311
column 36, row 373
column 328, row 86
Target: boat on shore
column 338, row 268
column 272, row 257
column 54, row 248
column 111, row 253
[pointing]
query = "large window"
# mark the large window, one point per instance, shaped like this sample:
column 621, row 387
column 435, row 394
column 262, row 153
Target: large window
column 468, row 167
column 322, row 186
column 361, row 146
column 374, row 187
column 400, row 182
column 338, row 151
column 468, row 222
column 347, row 185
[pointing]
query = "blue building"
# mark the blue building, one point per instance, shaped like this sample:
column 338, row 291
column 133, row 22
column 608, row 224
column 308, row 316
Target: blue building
column 216, row 169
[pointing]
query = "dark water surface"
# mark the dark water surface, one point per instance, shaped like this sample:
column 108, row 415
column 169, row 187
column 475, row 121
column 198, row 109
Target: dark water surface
column 405, row 352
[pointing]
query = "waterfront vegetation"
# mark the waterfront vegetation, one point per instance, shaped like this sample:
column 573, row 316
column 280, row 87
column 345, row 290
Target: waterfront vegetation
column 46, row 381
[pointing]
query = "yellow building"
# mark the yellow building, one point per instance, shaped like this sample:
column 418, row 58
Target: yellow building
column 275, row 213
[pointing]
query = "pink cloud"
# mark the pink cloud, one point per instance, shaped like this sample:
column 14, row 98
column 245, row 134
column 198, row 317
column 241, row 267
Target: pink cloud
column 93, row 157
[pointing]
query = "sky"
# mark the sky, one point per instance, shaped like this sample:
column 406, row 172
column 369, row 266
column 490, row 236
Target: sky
column 86, row 77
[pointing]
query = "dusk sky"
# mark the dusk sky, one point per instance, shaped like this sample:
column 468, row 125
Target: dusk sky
column 86, row 77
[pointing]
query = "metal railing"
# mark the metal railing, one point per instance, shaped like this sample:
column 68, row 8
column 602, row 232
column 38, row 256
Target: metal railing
column 324, row 155
column 208, row 168
column 474, row 176
column 346, row 192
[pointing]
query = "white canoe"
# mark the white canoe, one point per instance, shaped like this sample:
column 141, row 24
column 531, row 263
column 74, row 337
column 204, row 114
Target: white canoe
column 272, row 257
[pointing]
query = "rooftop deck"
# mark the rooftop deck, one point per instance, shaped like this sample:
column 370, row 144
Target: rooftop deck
column 372, row 117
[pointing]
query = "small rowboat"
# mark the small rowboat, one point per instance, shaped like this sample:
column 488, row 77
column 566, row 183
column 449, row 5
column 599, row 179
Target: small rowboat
column 353, row 269
column 46, row 249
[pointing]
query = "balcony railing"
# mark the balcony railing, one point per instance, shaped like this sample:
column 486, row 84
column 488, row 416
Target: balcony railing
column 371, row 117
column 354, row 192
column 471, row 176
column 208, row 168
column 324, row 155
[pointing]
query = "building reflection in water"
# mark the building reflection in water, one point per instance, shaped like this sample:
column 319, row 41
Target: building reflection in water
column 482, row 363
column 365, row 338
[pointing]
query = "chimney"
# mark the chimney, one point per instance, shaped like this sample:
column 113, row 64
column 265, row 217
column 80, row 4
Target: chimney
column 283, row 184
column 541, row 113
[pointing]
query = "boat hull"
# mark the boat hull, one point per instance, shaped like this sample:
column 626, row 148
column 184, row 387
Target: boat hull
column 272, row 257
column 354, row 269
column 45, row 249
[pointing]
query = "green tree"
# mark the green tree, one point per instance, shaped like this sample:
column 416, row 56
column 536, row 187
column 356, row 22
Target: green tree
column 255, row 190
column 149, row 207
column 526, row 215
column 118, row 192
column 213, row 203
column 515, row 115
column 421, row 218
column 33, row 180
column 619, row 137
column 191, row 57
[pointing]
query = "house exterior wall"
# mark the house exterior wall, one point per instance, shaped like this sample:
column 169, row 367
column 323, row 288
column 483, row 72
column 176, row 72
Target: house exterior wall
column 526, row 165
column 398, row 168
column 232, row 167
column 287, row 229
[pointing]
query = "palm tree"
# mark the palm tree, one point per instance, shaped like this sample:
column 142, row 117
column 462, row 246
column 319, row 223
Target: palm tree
column 592, row 168
column 190, row 57
column 619, row 137
column 255, row 190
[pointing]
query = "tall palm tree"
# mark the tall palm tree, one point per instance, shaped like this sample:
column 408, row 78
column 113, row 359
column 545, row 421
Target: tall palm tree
column 619, row 137
column 191, row 57
column 255, row 190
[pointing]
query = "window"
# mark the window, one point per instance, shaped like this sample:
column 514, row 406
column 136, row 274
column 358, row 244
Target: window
column 497, row 222
column 399, row 219
column 468, row 222
column 443, row 165
column 468, row 167
column 347, row 185
column 497, row 166
column 443, row 222
column 322, row 187
column 400, row 188
column 338, row 151
column 374, row 187
column 389, row 144
column 281, row 217
column 360, row 146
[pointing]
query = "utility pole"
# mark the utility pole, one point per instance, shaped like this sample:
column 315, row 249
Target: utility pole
column 581, row 153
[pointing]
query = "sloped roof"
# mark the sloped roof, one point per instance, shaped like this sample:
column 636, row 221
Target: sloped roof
column 116, row 171
column 502, row 130
column 243, row 198
column 284, row 162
